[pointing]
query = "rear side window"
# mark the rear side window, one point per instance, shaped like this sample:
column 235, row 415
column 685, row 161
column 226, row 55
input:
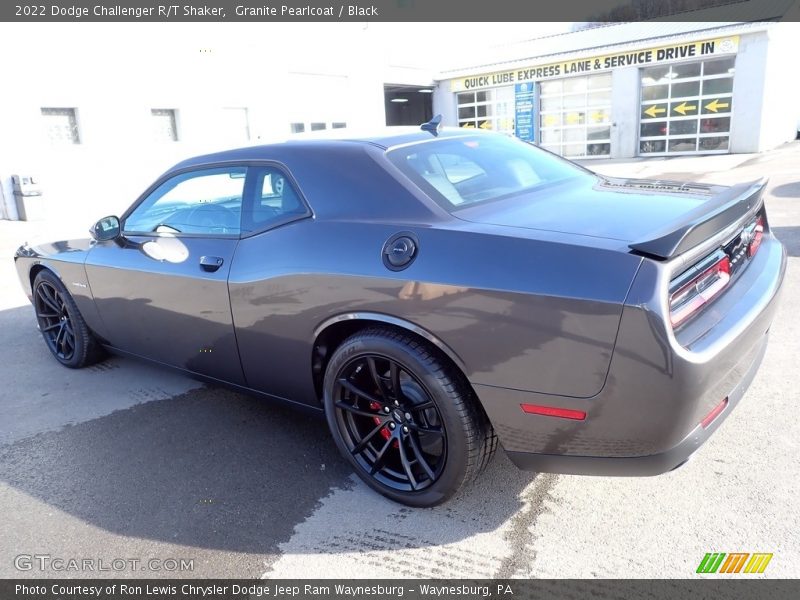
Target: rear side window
column 463, row 171
column 275, row 200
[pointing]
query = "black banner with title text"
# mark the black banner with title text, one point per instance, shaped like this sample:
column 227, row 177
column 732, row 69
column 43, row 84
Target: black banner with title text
column 399, row 10
column 390, row 589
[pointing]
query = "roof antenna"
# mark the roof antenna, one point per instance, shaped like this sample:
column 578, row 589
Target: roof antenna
column 433, row 125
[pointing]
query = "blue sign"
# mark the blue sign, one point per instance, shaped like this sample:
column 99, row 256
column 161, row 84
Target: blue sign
column 523, row 111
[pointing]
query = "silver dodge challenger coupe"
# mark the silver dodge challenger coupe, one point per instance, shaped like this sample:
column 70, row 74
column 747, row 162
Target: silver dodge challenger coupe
column 432, row 292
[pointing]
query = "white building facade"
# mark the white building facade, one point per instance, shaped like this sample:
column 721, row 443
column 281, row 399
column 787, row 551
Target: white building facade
column 95, row 112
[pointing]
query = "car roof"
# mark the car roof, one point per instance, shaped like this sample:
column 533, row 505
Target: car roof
column 386, row 139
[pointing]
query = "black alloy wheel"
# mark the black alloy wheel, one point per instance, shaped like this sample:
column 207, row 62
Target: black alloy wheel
column 389, row 423
column 54, row 321
column 60, row 322
column 404, row 417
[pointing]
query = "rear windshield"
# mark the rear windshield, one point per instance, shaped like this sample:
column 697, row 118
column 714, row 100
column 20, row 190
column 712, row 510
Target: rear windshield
column 464, row 171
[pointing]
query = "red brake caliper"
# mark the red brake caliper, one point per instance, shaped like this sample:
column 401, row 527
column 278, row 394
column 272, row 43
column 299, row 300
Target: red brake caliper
column 384, row 432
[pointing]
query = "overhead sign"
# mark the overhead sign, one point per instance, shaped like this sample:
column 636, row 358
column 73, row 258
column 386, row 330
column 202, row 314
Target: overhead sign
column 523, row 112
column 598, row 64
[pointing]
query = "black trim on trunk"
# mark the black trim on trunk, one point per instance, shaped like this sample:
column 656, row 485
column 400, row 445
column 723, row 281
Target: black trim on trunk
column 697, row 225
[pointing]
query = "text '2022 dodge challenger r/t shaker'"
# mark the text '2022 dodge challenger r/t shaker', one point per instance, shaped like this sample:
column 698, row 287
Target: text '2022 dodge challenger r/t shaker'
column 433, row 292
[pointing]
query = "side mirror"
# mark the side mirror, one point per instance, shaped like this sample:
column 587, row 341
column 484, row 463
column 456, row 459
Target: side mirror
column 107, row 228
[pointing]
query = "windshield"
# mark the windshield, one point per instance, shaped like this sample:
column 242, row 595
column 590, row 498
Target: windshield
column 464, row 171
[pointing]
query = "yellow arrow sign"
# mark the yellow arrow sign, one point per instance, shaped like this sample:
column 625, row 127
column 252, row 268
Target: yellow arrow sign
column 550, row 119
column 573, row 117
column 654, row 111
column 468, row 126
column 486, row 125
column 682, row 108
column 716, row 104
column 598, row 116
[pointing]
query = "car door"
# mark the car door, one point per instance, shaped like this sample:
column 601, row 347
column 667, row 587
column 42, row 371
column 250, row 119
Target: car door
column 162, row 288
column 267, row 305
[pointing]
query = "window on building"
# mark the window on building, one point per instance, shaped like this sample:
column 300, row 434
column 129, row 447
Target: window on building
column 164, row 124
column 487, row 109
column 686, row 108
column 575, row 116
column 318, row 100
column 61, row 125
column 316, row 126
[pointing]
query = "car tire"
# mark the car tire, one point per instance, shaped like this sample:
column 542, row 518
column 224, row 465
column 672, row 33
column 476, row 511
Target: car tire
column 60, row 322
column 418, row 447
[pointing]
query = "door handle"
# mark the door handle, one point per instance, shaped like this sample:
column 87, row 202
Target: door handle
column 211, row 263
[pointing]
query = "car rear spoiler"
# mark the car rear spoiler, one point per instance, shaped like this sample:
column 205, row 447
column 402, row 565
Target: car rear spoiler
column 701, row 223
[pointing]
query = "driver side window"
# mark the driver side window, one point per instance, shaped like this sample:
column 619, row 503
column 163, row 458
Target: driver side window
column 208, row 201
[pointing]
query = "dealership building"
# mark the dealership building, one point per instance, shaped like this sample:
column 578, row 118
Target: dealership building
column 637, row 89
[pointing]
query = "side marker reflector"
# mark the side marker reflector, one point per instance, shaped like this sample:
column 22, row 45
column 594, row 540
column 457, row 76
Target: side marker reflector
column 552, row 411
column 709, row 418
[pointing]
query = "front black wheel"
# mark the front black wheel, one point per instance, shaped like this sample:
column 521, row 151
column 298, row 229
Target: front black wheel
column 64, row 331
column 405, row 418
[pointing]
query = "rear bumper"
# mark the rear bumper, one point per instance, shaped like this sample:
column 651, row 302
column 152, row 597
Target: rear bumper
column 646, row 420
column 638, row 466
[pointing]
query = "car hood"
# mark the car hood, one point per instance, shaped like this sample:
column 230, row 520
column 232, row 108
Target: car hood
column 611, row 208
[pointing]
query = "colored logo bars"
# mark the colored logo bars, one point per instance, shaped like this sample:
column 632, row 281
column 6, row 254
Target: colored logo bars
column 736, row 562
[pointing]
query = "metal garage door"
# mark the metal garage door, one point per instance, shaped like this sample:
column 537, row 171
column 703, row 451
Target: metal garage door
column 487, row 109
column 686, row 108
column 575, row 115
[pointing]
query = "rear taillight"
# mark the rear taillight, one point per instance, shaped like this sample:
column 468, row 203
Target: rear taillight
column 696, row 287
column 757, row 233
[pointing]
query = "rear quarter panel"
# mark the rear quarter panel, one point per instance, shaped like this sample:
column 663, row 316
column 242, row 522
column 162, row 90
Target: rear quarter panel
column 519, row 312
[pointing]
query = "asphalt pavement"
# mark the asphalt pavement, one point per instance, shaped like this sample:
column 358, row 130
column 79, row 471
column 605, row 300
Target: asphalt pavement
column 126, row 462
